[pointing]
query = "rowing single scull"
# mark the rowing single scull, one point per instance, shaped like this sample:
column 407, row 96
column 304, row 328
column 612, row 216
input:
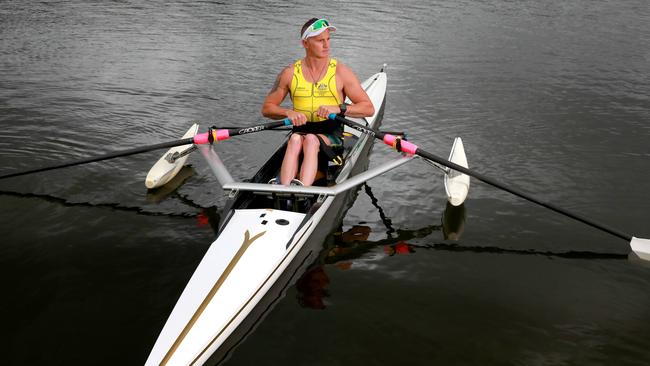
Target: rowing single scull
column 260, row 248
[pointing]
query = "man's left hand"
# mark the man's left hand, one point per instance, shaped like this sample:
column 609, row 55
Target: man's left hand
column 325, row 110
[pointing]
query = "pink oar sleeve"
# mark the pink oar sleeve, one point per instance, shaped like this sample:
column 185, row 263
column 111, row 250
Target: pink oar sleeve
column 407, row 147
column 219, row 135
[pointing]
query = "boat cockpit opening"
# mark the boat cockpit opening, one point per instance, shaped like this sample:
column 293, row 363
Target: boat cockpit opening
column 296, row 202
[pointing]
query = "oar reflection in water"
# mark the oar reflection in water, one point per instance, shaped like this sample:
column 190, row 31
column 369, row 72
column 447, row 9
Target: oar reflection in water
column 353, row 244
column 453, row 221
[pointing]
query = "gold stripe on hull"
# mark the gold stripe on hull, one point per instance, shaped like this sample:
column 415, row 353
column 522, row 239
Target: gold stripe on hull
column 244, row 246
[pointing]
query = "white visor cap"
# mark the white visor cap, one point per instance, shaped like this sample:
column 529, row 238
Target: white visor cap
column 317, row 28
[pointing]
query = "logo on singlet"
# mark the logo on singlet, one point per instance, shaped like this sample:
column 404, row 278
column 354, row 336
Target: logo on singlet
column 321, row 89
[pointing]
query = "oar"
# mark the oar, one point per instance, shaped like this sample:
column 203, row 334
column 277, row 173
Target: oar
column 202, row 138
column 640, row 246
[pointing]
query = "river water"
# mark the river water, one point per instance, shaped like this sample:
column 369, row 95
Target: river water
column 552, row 97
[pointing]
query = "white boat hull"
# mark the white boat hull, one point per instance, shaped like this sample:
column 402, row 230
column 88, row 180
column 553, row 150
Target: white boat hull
column 254, row 242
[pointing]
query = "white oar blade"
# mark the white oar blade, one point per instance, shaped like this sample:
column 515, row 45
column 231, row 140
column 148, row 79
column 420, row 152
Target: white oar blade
column 163, row 171
column 456, row 183
column 641, row 247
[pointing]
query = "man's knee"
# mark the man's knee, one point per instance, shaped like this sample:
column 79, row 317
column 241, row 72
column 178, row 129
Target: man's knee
column 295, row 143
column 311, row 142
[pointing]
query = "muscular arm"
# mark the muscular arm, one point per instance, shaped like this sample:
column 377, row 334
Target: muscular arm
column 361, row 104
column 271, row 107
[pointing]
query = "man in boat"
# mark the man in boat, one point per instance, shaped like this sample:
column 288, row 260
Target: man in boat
column 318, row 86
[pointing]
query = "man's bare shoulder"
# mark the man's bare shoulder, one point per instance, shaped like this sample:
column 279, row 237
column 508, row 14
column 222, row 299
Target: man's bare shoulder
column 345, row 73
column 342, row 68
column 283, row 80
column 285, row 75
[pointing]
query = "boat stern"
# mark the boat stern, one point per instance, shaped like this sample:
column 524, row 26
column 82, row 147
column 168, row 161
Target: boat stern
column 240, row 265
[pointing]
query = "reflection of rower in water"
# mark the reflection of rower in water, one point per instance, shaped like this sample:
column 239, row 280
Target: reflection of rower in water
column 353, row 243
column 400, row 247
column 312, row 285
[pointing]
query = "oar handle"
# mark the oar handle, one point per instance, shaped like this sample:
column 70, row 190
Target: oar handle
column 393, row 141
column 226, row 133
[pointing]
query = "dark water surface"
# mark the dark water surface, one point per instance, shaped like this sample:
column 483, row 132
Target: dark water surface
column 552, row 97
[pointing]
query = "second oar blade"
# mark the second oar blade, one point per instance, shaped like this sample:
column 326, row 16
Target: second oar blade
column 641, row 247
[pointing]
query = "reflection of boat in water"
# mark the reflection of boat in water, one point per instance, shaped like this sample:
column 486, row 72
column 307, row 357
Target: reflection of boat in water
column 312, row 288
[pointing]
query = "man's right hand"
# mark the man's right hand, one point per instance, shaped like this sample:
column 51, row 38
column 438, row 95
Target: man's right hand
column 297, row 118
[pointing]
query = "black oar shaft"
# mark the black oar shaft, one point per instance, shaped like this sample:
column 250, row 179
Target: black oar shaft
column 111, row 155
column 427, row 155
column 262, row 127
column 138, row 150
column 523, row 195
